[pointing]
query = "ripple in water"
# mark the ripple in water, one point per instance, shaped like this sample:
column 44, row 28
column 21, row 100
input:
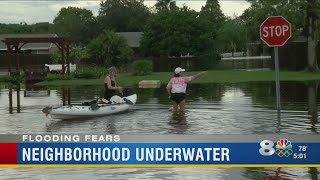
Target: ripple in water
column 238, row 108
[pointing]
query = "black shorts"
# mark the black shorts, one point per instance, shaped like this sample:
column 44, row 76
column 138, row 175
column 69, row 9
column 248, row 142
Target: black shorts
column 178, row 97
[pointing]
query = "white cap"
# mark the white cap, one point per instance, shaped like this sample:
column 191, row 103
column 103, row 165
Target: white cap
column 178, row 70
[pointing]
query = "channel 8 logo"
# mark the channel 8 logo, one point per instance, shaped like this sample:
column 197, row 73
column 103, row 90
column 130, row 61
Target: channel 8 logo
column 267, row 148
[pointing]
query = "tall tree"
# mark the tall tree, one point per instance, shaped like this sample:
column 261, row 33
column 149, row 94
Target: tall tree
column 177, row 33
column 313, row 12
column 110, row 49
column 41, row 27
column 231, row 36
column 123, row 15
column 213, row 10
column 77, row 23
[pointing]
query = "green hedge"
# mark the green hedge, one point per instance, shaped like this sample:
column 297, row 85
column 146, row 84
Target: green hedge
column 142, row 67
column 90, row 72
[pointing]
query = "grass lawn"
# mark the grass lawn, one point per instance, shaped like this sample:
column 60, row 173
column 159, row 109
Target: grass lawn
column 126, row 79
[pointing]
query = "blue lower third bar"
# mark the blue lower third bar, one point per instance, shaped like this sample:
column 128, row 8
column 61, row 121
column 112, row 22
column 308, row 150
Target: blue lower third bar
column 168, row 153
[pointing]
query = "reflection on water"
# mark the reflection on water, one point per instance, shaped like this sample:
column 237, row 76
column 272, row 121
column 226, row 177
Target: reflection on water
column 179, row 123
column 220, row 108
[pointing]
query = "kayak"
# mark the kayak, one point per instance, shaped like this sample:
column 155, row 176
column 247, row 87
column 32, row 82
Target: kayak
column 88, row 111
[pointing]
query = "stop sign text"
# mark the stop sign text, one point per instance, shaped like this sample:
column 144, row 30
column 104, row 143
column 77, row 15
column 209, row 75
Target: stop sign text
column 275, row 31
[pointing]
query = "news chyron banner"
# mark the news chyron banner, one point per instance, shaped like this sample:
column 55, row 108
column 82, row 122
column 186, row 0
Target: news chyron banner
column 94, row 150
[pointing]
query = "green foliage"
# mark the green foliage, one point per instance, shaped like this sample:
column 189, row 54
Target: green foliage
column 303, row 16
column 232, row 37
column 22, row 28
column 76, row 54
column 90, row 72
column 294, row 11
column 213, row 11
column 110, row 49
column 13, row 79
column 52, row 77
column 178, row 32
column 123, row 16
column 142, row 67
column 56, row 57
column 77, row 23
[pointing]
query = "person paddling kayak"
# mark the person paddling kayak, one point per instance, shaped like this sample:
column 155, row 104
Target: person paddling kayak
column 177, row 87
column 110, row 86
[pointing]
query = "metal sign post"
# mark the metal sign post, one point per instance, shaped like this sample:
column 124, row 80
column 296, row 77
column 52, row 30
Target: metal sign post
column 275, row 31
column 276, row 64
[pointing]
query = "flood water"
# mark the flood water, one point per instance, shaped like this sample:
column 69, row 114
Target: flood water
column 221, row 108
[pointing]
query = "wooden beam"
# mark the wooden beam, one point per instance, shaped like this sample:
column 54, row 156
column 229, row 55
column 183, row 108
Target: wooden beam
column 9, row 59
column 68, row 61
column 62, row 59
column 16, row 47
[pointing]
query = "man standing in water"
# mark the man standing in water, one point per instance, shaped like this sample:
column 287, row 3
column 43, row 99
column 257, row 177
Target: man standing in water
column 177, row 87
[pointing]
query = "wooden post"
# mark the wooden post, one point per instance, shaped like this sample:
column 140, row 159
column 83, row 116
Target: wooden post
column 69, row 96
column 68, row 61
column 17, row 59
column 18, row 98
column 62, row 58
column 10, row 100
column 9, row 59
column 63, row 97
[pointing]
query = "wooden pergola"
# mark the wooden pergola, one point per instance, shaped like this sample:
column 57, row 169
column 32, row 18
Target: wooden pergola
column 63, row 44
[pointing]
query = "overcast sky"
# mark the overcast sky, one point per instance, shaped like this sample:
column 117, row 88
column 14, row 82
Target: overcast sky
column 33, row 11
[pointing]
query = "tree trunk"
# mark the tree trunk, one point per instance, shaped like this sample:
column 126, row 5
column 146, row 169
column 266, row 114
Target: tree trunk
column 312, row 44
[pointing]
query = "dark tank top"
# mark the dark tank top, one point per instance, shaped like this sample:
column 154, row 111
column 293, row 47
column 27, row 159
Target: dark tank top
column 108, row 93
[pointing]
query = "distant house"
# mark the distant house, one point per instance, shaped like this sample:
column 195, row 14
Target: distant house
column 30, row 48
column 133, row 39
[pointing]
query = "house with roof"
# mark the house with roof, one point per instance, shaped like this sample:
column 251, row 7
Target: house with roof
column 133, row 40
column 30, row 48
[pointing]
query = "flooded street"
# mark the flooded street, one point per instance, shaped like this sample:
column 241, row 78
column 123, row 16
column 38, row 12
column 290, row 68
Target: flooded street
column 221, row 108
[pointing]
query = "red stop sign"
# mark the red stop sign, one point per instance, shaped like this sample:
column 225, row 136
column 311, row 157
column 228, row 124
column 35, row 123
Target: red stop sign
column 275, row 31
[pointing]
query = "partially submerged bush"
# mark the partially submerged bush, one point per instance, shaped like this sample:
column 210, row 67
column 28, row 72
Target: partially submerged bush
column 90, row 72
column 13, row 79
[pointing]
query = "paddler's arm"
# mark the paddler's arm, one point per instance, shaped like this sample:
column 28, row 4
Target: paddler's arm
column 199, row 74
column 108, row 81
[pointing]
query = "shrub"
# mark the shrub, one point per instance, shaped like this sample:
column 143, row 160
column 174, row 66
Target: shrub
column 13, row 79
column 90, row 72
column 142, row 67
